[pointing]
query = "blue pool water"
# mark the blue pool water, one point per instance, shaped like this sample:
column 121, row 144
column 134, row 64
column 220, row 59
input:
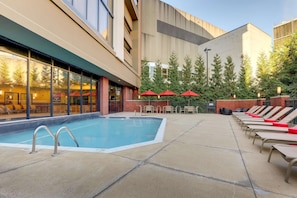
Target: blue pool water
column 105, row 134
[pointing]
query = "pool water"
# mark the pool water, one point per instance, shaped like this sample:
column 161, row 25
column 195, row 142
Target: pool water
column 96, row 133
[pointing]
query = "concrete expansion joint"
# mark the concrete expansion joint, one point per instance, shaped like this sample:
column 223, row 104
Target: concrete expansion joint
column 245, row 185
column 19, row 167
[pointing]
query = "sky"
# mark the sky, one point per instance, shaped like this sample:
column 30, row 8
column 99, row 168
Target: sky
column 231, row 14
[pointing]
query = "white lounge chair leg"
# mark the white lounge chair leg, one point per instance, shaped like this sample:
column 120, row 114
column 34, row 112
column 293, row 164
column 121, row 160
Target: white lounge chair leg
column 289, row 169
column 270, row 153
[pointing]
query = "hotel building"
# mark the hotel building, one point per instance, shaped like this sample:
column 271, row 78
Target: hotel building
column 64, row 57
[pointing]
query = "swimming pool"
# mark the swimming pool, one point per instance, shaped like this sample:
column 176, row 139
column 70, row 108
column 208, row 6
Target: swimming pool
column 98, row 134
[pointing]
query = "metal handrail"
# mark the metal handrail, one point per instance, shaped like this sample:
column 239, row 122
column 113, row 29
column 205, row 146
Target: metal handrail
column 35, row 133
column 57, row 138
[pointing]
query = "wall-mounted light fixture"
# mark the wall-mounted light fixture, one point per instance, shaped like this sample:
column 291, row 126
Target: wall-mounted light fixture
column 1, row 92
column 279, row 90
column 138, row 96
column 258, row 95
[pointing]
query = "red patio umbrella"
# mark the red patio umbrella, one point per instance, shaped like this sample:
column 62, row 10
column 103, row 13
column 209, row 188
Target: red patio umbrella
column 190, row 94
column 148, row 93
column 167, row 93
column 89, row 93
column 76, row 93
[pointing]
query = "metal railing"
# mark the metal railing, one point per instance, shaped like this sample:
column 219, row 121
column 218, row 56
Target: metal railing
column 57, row 138
column 35, row 134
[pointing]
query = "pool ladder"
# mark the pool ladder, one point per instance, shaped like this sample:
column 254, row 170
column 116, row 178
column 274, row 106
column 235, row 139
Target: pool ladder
column 55, row 137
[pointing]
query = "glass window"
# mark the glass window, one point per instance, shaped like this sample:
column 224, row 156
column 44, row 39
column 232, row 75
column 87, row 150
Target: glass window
column 97, row 13
column 75, row 96
column 103, row 21
column 94, row 98
column 13, row 80
column 60, row 90
column 80, row 6
column 40, row 83
column 92, row 15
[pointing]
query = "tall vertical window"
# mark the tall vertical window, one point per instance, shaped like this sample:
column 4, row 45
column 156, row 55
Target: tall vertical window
column 98, row 14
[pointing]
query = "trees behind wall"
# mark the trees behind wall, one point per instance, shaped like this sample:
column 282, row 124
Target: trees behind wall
column 279, row 69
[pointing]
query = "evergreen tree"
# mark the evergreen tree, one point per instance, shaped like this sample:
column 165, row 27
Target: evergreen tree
column 266, row 82
column 187, row 74
column 199, row 76
column 229, row 78
column 146, row 82
column 173, row 74
column 174, row 79
column 158, row 80
column 244, row 80
column 288, row 74
column 216, row 80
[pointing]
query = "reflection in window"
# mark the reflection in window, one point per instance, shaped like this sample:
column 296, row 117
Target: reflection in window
column 43, row 90
column 60, row 90
column 75, row 96
column 40, row 83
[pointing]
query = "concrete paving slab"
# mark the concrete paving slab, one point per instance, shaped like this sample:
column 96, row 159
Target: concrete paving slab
column 207, row 161
column 159, row 182
column 202, row 155
column 67, row 175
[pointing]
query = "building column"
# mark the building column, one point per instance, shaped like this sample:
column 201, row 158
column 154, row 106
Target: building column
column 104, row 90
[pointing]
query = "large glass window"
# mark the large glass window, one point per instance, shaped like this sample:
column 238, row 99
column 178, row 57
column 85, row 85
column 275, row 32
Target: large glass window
column 94, row 98
column 97, row 13
column 60, row 89
column 36, row 85
column 75, row 93
column 40, row 84
column 13, row 80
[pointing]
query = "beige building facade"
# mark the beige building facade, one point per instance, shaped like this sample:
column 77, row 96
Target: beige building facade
column 247, row 40
column 62, row 57
column 167, row 29
column 283, row 31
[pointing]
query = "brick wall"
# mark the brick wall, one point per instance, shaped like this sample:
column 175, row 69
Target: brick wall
column 233, row 103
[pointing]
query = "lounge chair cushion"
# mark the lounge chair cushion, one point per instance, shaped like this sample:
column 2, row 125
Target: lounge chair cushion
column 292, row 130
column 280, row 124
column 269, row 120
column 255, row 116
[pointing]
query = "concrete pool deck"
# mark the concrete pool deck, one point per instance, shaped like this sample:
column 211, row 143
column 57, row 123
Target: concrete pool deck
column 202, row 155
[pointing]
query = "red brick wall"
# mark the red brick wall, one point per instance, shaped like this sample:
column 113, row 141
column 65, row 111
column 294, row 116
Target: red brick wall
column 279, row 100
column 233, row 104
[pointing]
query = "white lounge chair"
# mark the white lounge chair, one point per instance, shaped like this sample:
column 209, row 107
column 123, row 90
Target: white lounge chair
column 269, row 114
column 272, row 137
column 289, row 153
column 269, row 121
column 273, row 126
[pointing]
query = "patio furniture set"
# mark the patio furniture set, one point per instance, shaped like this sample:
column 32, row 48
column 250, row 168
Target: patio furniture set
column 272, row 125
